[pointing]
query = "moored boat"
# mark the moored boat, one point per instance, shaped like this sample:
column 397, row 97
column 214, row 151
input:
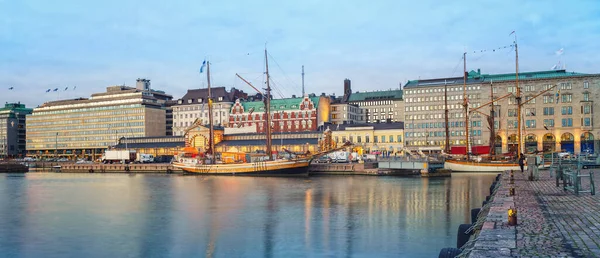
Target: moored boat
column 473, row 166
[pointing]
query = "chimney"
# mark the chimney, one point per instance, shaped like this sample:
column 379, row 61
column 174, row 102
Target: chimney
column 142, row 84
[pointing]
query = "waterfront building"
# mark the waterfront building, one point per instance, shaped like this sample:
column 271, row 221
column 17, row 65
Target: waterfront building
column 377, row 106
column 378, row 138
column 288, row 115
column 12, row 129
column 560, row 119
column 346, row 113
column 85, row 127
column 194, row 105
column 234, row 143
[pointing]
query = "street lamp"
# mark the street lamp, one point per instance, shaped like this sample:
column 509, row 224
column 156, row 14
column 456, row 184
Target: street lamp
column 56, row 146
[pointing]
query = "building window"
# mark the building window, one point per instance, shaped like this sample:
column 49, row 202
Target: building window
column 567, row 122
column 358, row 139
column 587, row 109
column 567, row 110
column 530, row 123
column 530, row 88
column 548, row 99
column 512, row 89
column 530, row 112
column 399, row 138
column 383, row 138
column 549, row 111
column 375, row 139
column 391, row 138
column 512, row 100
column 528, row 98
column 587, row 121
column 586, row 85
column 512, row 113
column 586, row 96
column 512, row 124
column 367, row 139
column 566, row 98
column 549, row 123
column 565, row 86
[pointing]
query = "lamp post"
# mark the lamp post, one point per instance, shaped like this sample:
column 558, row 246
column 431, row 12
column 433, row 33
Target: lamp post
column 56, row 146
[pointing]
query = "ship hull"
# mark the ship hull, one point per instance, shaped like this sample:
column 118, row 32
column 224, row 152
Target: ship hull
column 463, row 166
column 266, row 168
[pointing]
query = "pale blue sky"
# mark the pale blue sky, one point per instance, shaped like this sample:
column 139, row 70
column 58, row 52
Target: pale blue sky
column 377, row 44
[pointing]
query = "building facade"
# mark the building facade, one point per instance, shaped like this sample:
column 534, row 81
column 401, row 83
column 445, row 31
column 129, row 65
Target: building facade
column 85, row 127
column 12, row 130
column 381, row 138
column 376, row 106
column 561, row 119
column 345, row 113
column 194, row 105
column 288, row 115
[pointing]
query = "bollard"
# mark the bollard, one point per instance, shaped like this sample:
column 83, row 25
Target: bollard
column 512, row 216
column 511, row 191
column 512, row 177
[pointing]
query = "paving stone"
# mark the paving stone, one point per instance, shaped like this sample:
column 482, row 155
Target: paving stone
column 551, row 222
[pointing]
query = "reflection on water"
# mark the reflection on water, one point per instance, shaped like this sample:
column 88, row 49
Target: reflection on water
column 57, row 215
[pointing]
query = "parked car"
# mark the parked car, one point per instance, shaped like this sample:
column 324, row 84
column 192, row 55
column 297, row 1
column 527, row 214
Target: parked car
column 163, row 159
column 323, row 159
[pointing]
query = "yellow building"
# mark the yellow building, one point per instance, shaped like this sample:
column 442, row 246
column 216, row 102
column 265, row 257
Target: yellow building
column 84, row 128
column 382, row 138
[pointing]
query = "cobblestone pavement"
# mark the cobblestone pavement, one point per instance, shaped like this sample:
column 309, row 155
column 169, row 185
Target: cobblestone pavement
column 551, row 222
column 568, row 225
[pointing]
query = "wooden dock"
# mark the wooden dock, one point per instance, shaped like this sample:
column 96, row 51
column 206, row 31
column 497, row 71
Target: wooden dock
column 13, row 168
column 163, row 168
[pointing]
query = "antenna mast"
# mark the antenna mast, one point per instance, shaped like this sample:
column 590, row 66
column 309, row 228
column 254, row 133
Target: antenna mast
column 303, row 81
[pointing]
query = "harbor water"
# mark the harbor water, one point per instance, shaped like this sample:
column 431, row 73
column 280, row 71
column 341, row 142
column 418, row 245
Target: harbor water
column 120, row 215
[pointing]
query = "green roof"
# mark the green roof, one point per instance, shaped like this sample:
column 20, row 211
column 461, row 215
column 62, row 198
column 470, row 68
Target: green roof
column 279, row 104
column 376, row 95
column 530, row 75
column 15, row 107
column 475, row 77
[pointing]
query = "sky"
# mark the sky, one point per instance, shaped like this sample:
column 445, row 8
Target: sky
column 379, row 45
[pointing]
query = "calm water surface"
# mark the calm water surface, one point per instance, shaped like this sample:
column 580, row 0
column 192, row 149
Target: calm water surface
column 91, row 215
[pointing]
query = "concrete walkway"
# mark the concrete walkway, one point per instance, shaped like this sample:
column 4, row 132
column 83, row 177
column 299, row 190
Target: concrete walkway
column 551, row 222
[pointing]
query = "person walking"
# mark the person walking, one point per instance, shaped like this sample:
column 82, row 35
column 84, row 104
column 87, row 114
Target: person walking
column 522, row 162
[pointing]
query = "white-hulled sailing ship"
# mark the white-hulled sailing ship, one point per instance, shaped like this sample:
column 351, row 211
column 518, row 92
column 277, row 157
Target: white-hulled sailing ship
column 488, row 165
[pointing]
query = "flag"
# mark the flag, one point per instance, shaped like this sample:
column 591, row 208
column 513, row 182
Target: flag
column 66, row 88
column 203, row 65
column 74, row 87
column 557, row 94
column 10, row 88
column 513, row 32
column 55, row 89
column 48, row 90
column 560, row 51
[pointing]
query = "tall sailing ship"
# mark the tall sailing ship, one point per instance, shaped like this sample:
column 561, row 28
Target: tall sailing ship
column 489, row 165
column 192, row 160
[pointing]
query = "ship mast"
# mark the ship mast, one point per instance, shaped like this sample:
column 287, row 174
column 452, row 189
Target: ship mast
column 491, row 122
column 268, row 109
column 466, row 104
column 211, row 137
column 447, row 148
column 518, row 99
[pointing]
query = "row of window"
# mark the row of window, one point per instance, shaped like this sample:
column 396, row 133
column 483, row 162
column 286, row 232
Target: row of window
column 409, row 135
column 94, row 120
column 376, row 139
column 434, row 90
column 119, row 110
column 374, row 103
column 438, row 143
column 82, row 127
